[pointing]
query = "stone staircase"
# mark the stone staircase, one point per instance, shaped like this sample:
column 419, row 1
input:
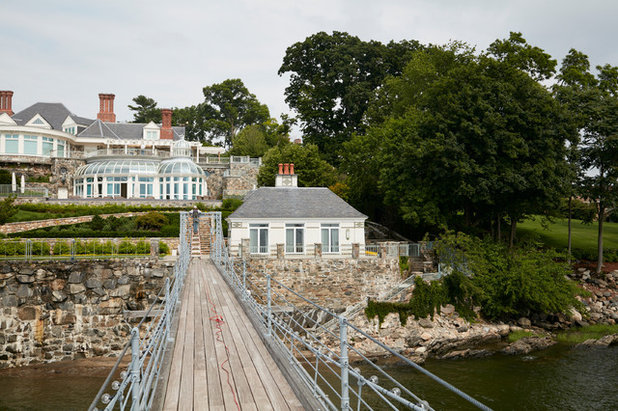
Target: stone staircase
column 200, row 240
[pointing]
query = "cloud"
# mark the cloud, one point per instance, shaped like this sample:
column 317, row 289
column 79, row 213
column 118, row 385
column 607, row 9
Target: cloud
column 70, row 51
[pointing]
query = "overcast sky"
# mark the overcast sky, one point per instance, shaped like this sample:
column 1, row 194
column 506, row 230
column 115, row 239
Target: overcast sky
column 69, row 51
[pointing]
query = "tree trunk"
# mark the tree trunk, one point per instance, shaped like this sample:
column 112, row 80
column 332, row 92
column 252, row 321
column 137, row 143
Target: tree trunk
column 569, row 236
column 600, row 238
column 513, row 227
column 498, row 220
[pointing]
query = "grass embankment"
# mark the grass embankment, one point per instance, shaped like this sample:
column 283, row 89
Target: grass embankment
column 519, row 334
column 583, row 236
column 579, row 335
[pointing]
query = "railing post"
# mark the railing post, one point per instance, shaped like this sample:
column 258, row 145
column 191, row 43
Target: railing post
column 345, row 369
column 135, row 368
column 72, row 249
column 244, row 279
column 269, row 307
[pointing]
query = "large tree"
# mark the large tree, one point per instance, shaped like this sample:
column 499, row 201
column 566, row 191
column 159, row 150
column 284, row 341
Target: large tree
column 145, row 110
column 464, row 139
column 333, row 78
column 228, row 107
column 312, row 171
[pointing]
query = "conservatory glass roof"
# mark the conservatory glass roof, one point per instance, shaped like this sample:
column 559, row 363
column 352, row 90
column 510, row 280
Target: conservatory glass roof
column 129, row 167
column 180, row 166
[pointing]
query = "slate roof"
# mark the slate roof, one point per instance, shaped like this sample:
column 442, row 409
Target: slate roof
column 293, row 202
column 123, row 131
column 53, row 113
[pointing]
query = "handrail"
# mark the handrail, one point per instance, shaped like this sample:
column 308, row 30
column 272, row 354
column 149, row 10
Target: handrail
column 317, row 353
column 137, row 387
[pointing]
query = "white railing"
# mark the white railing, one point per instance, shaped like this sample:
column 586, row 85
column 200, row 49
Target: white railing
column 9, row 189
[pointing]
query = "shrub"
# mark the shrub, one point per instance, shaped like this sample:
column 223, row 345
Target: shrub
column 505, row 283
column 152, row 220
column 164, row 249
column 508, row 283
column 62, row 248
column 7, row 208
column 231, row 204
column 97, row 223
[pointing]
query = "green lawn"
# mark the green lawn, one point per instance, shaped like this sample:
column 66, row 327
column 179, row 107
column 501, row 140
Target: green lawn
column 584, row 236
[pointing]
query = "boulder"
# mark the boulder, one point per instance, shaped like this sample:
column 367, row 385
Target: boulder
column 524, row 322
column 425, row 323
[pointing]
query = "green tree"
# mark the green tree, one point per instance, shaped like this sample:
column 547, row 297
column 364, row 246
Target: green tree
column 599, row 151
column 312, row 171
column 458, row 135
column 228, row 107
column 7, row 209
column 574, row 87
column 145, row 110
column 193, row 119
column 251, row 141
column 333, row 78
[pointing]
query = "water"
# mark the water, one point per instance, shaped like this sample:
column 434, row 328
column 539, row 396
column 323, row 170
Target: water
column 559, row 378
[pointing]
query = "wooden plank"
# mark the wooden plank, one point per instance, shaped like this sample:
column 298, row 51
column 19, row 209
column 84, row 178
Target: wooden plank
column 235, row 325
column 244, row 389
column 228, row 384
column 186, row 381
column 262, row 358
column 215, row 393
column 200, row 387
column 173, row 385
column 277, row 388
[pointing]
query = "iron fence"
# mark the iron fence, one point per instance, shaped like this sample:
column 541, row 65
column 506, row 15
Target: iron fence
column 72, row 249
column 135, row 387
column 321, row 356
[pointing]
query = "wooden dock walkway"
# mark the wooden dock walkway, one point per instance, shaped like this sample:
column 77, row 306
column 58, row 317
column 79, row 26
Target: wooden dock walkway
column 219, row 361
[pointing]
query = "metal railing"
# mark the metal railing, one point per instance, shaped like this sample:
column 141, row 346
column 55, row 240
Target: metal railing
column 319, row 356
column 9, row 189
column 136, row 386
column 72, row 249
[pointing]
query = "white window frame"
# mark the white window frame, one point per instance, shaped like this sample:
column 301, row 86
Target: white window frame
column 295, row 247
column 328, row 247
column 258, row 248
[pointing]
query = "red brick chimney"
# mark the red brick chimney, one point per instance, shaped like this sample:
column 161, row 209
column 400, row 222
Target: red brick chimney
column 6, row 102
column 166, row 124
column 106, row 108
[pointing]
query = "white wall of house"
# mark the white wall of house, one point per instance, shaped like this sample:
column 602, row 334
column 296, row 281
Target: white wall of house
column 350, row 231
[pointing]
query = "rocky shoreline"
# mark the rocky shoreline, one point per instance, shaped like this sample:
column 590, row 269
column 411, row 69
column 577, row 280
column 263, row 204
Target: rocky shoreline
column 448, row 335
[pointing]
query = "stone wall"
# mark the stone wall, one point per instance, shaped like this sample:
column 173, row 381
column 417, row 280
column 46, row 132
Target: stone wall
column 214, row 181
column 241, row 179
column 333, row 283
column 52, row 311
column 32, row 225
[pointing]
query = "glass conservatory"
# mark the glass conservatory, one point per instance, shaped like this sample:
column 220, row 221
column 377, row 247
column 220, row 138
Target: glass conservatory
column 175, row 178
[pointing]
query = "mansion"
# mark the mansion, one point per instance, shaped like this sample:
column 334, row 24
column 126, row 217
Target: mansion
column 71, row 156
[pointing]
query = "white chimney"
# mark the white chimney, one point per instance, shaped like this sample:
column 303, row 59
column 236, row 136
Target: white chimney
column 286, row 176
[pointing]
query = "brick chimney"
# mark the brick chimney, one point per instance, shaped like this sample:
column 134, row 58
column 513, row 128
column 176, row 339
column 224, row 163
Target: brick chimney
column 6, row 102
column 166, row 124
column 106, row 108
column 286, row 176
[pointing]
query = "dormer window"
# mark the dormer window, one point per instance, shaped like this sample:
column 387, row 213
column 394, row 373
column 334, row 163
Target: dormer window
column 70, row 130
column 38, row 121
column 151, row 131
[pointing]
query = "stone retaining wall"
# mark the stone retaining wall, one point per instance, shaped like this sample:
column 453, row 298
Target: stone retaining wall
column 52, row 311
column 333, row 283
column 32, row 225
